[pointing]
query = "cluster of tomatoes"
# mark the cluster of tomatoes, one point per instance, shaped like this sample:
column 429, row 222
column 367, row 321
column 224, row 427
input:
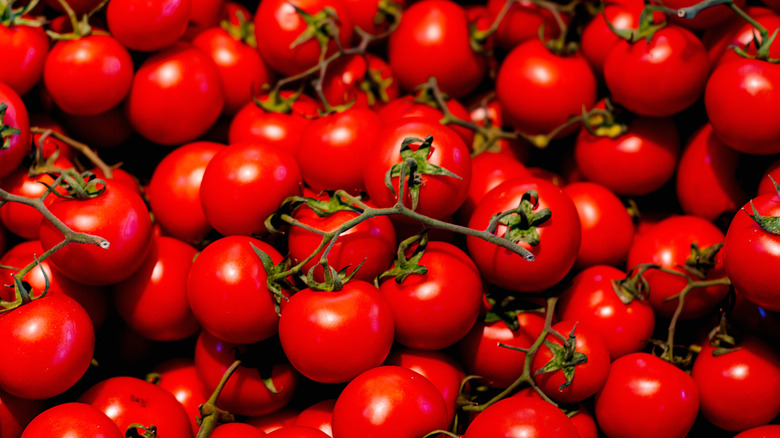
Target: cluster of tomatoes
column 389, row 218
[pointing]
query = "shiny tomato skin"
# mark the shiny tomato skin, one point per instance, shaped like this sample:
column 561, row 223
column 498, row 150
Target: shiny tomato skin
column 364, row 12
column 19, row 144
column 388, row 401
column 488, row 170
column 407, row 106
column 52, row 340
column 742, row 36
column 521, row 417
column 521, row 23
column 275, row 420
column 237, row 430
column 16, row 413
column 319, row 416
column 767, row 431
column 72, row 420
column 598, row 39
column 345, row 78
column 180, row 378
column 148, row 26
column 204, row 14
column 25, row 49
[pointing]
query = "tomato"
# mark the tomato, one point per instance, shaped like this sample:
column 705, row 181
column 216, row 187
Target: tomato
column 539, row 90
column 598, row 39
column 72, row 420
column 236, row 430
column 750, row 252
column 332, row 336
column 521, row 23
column 556, row 247
column 729, row 384
column 15, row 116
column 16, row 413
column 408, row 106
column 176, row 95
column 148, row 26
column 366, row 80
column 227, row 290
column 252, row 178
column 119, row 176
column 766, row 185
column 705, row 19
column 204, row 14
column 388, row 401
column 659, row 77
column 275, row 420
column 50, row 342
column 297, row 432
column 706, row 182
column 640, row 393
column 768, row 431
column 371, row 242
column 364, row 14
column 128, row 400
column 480, row 354
column 174, row 191
column 592, row 301
column 117, row 215
column 584, row 422
column 439, row 195
column 432, row 40
column 637, row 162
column 337, row 140
column 521, row 417
column 245, row 393
column 738, row 95
column 252, row 123
column 436, row 309
column 607, row 228
column 242, row 71
column 180, row 378
column 318, row 416
column 25, row 49
column 742, row 36
column 488, row 170
column 278, row 26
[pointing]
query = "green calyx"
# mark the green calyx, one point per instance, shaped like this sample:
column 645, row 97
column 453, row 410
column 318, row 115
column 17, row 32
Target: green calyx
column 700, row 260
column 375, row 86
column 506, row 307
column 770, row 224
column 388, row 11
column 275, row 103
column 6, row 131
column 565, row 359
column 647, row 26
column 522, row 221
column 602, row 122
column 244, row 31
column 10, row 16
column 635, row 285
column 403, row 265
column 274, row 285
column 137, row 430
column 321, row 27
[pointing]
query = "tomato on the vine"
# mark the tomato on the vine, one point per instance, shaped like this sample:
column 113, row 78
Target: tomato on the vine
column 25, row 49
column 72, row 420
column 148, row 26
column 521, row 417
column 13, row 116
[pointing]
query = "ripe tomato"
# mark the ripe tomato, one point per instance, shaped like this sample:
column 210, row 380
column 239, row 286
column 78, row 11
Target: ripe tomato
column 16, row 413
column 407, row 106
column 15, row 116
column 640, row 393
column 275, row 420
column 72, row 420
column 364, row 13
column 388, row 401
column 204, row 14
column 735, row 32
column 521, row 417
column 598, row 39
column 521, row 23
column 148, row 26
column 180, row 378
column 50, row 342
column 488, row 170
column 318, row 416
column 253, row 123
column 766, row 185
column 365, row 79
column 25, row 49
column 768, row 431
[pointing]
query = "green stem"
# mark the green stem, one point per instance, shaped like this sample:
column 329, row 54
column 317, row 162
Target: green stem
column 85, row 150
column 211, row 414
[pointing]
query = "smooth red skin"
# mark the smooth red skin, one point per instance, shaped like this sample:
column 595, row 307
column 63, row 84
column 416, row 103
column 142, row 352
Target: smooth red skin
column 598, row 39
column 118, row 215
column 539, row 90
column 19, row 144
column 180, row 378
column 297, row 432
column 607, row 228
column 488, row 170
column 16, row 413
column 372, row 243
column 318, row 416
column 739, row 389
column 440, row 195
column 521, row 417
column 362, row 13
column 592, row 301
column 668, row 245
column 159, row 287
column 635, row 163
column 388, row 401
column 646, row 397
column 174, row 191
column 705, row 19
column 252, row 178
column 405, row 106
column 275, row 420
column 227, row 290
column 236, row 430
column 242, row 71
column 128, row 400
column 278, row 25
column 331, row 337
column 589, row 377
column 480, row 354
column 521, row 23
column 750, row 253
column 559, row 238
column 742, row 37
column 25, row 49
column 767, row 431
column 176, row 96
column 659, row 78
column 72, row 420
column 584, row 423
column 337, row 141
column 343, row 78
column 442, row 370
column 244, row 393
column 204, row 14
column 706, row 182
column 148, row 26
column 253, row 123
column 748, row 102
column 766, row 185
column 436, row 309
column 734, row 31
column 52, row 340
column 89, row 75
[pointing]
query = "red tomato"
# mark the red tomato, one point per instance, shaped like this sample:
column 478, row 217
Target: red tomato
column 364, row 13
column 318, row 416
column 598, row 39
column 705, row 19
column 432, row 40
column 78, row 6
column 436, row 309
column 180, row 378
column 236, row 430
column 768, row 431
column 388, row 401
column 148, row 26
column 558, row 237
column 406, row 106
column 205, row 14
column 118, row 215
column 120, row 176
column 176, row 95
column 659, row 77
column 766, row 185
column 252, row 123
column 127, row 400
column 540, row 90
column 50, row 342
column 275, row 420
column 488, row 170
column 640, row 393
column 366, row 80
column 521, row 417
column 15, row 116
column 25, row 49
column 278, row 25
column 72, row 420
column 16, row 413
column 297, row 432
column 227, row 290
column 252, row 178
column 521, row 23
column 737, row 32
column 584, row 422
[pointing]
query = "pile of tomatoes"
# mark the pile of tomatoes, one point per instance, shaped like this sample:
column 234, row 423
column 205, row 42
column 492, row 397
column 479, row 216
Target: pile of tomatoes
column 389, row 218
